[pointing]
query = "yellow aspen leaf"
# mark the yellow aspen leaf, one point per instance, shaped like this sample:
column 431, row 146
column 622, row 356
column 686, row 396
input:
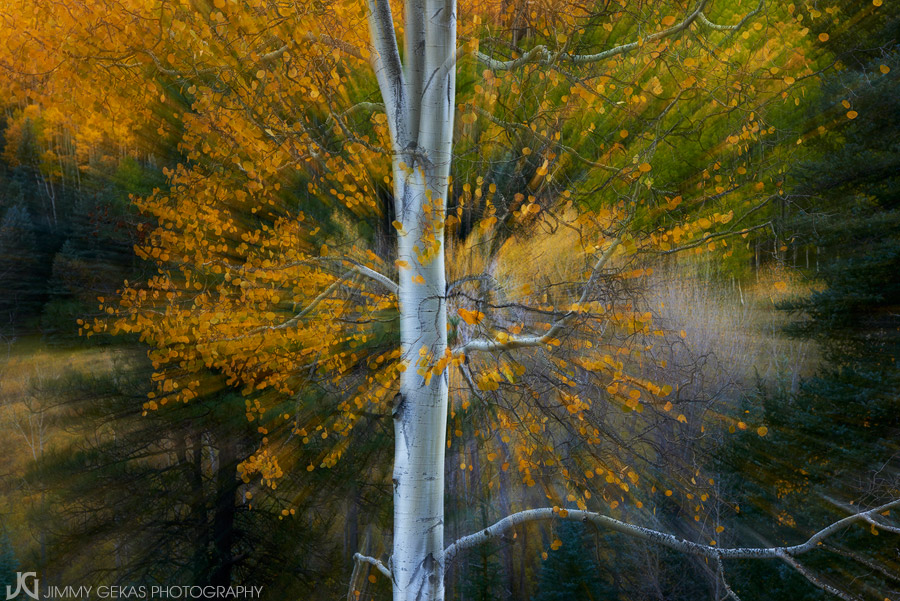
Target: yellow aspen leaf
column 372, row 578
column 852, row 114
column 418, row 279
column 780, row 286
column 884, row 69
column 668, row 20
column 762, row 430
column 645, row 167
column 488, row 223
column 470, row 317
column 556, row 544
column 682, row 418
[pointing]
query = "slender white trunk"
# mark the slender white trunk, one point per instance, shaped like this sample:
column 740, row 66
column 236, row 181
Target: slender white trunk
column 419, row 100
column 420, row 417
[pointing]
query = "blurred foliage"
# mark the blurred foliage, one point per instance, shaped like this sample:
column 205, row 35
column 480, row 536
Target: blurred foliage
column 129, row 498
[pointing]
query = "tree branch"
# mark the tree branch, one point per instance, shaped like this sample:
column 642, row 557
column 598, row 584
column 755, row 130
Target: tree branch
column 378, row 277
column 335, row 43
column 869, row 518
column 388, row 69
column 874, row 566
column 360, row 558
column 467, row 374
column 702, row 18
column 878, row 524
column 371, row 107
column 541, row 55
column 709, row 237
column 274, row 55
column 655, row 536
column 357, row 268
column 721, row 570
column 485, row 345
column 786, row 558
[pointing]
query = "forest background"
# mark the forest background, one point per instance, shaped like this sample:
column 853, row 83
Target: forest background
column 778, row 345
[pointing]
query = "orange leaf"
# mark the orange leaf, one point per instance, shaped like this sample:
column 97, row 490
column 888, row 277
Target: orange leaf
column 470, row 317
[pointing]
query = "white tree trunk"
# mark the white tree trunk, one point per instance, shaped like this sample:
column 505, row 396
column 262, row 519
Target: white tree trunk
column 420, row 414
column 419, row 101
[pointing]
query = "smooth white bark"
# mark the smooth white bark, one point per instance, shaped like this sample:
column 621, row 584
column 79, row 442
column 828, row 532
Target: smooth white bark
column 661, row 538
column 418, row 99
column 787, row 553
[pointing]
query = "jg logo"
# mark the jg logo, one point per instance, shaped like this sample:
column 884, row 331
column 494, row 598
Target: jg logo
column 22, row 585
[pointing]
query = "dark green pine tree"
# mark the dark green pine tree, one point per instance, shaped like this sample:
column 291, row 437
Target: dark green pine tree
column 834, row 439
column 21, row 285
column 484, row 579
column 849, row 200
column 570, row 572
column 9, row 565
column 854, row 220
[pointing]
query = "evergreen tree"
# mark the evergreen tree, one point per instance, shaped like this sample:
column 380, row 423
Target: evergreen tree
column 849, row 219
column 21, row 285
column 570, row 572
column 9, row 565
column 850, row 196
column 484, row 577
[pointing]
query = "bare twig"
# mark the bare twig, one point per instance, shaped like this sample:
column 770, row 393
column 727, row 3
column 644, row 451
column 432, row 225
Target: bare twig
column 359, row 557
